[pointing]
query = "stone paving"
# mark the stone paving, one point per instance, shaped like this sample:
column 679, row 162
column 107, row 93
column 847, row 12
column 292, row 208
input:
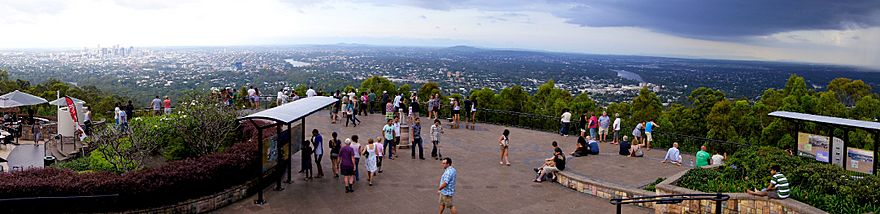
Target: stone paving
column 409, row 185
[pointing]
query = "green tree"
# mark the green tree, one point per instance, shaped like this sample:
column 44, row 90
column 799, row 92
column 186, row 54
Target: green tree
column 646, row 106
column 744, row 120
column 795, row 86
column 703, row 99
column 514, row 98
column 719, row 122
column 849, row 91
column 772, row 98
column 378, row 84
column 550, row 100
column 867, row 108
column 406, row 90
column 582, row 104
column 301, row 90
column 484, row 98
column 830, row 106
column 428, row 89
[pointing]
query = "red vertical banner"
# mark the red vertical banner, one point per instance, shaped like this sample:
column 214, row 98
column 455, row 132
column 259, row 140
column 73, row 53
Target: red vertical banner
column 71, row 107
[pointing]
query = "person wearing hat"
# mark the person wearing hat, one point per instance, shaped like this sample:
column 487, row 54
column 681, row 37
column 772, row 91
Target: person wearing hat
column 385, row 99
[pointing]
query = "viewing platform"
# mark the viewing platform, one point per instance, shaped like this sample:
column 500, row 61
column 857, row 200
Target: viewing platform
column 409, row 185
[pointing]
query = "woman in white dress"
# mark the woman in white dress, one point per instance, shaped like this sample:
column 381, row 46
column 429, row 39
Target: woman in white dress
column 371, row 160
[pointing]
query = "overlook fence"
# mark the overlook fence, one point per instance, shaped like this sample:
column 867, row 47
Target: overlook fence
column 547, row 123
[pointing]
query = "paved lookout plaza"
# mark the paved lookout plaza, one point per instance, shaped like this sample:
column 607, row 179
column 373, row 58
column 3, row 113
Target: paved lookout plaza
column 409, row 185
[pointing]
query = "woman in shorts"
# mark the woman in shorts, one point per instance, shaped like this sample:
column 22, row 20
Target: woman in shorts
column 335, row 145
column 456, row 112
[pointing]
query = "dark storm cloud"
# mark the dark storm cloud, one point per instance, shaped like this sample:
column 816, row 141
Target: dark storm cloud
column 725, row 18
column 705, row 19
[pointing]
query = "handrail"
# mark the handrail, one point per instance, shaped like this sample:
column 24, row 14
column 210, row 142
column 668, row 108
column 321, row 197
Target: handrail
column 57, row 197
column 672, row 199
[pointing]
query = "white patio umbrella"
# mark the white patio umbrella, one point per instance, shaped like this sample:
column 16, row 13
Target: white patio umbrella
column 63, row 102
column 18, row 98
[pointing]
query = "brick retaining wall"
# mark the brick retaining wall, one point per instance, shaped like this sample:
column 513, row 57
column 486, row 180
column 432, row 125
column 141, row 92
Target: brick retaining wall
column 738, row 203
column 601, row 189
column 206, row 203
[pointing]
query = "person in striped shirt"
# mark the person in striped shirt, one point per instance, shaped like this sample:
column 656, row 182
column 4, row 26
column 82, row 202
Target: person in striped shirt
column 778, row 188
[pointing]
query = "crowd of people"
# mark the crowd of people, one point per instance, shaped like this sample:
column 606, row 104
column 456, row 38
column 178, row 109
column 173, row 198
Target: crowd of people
column 349, row 154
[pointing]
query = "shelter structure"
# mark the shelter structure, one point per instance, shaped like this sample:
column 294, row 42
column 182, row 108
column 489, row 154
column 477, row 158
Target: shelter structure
column 833, row 123
column 279, row 132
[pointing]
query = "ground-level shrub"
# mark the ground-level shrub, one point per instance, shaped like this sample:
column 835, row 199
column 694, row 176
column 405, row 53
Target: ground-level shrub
column 652, row 186
column 824, row 186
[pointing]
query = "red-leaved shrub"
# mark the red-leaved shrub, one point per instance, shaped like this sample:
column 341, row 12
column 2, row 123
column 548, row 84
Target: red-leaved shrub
column 173, row 182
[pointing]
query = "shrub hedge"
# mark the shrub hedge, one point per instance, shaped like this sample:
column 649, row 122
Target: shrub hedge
column 824, row 186
column 173, row 182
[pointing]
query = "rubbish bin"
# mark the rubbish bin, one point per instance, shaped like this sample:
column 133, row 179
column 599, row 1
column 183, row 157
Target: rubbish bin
column 48, row 161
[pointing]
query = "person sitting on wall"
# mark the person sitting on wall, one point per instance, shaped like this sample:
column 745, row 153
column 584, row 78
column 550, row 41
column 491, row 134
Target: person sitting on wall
column 635, row 150
column 551, row 166
column 594, row 146
column 778, row 188
column 582, row 148
column 625, row 147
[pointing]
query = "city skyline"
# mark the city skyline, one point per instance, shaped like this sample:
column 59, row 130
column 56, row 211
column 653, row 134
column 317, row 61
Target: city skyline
column 798, row 31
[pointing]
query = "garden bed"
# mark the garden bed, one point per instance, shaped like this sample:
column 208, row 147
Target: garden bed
column 823, row 186
column 168, row 184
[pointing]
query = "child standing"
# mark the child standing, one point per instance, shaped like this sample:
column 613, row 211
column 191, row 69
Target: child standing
column 307, row 160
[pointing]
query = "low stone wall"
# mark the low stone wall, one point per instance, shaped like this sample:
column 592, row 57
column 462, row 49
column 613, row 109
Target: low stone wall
column 738, row 203
column 206, row 203
column 600, row 188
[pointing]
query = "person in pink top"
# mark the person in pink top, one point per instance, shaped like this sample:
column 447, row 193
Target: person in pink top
column 593, row 125
column 167, row 104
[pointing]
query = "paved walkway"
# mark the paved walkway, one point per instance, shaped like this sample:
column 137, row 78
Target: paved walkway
column 409, row 185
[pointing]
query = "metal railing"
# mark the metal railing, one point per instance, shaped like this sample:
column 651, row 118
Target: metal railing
column 672, row 199
column 57, row 204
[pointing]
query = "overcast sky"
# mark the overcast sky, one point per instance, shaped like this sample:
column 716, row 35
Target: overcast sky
column 836, row 32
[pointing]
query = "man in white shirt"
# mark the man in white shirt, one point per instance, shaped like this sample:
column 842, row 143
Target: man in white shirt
column 673, row 155
column 282, row 98
column 396, row 136
column 252, row 96
column 616, row 126
column 311, row 92
column 397, row 103
column 565, row 121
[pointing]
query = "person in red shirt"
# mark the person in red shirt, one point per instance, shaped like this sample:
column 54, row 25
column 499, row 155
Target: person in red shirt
column 167, row 104
column 593, row 125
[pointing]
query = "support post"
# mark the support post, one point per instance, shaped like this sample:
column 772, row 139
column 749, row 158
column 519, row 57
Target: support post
column 718, row 201
column 876, row 153
column 831, row 146
column 289, row 150
column 845, row 152
column 278, row 148
column 797, row 131
column 259, row 200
